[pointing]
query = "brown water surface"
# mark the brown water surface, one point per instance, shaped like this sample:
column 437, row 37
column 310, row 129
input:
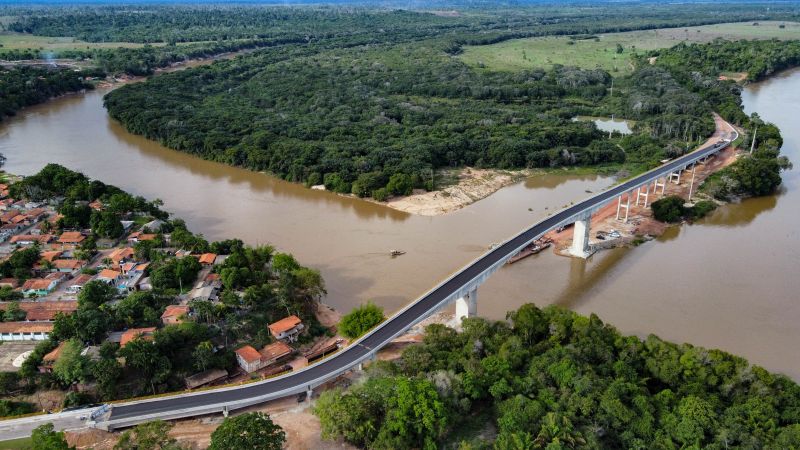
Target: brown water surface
column 729, row 282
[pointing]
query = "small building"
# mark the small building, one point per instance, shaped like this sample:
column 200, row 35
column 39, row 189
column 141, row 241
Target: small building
column 134, row 333
column 49, row 360
column 13, row 283
column 25, row 331
column 248, row 358
column 71, row 238
column 68, row 265
column 175, row 314
column 204, row 378
column 51, row 256
column 109, row 276
column 287, row 328
column 204, row 293
column 77, row 283
column 43, row 311
column 207, row 259
column 30, row 239
column 121, row 255
column 38, row 287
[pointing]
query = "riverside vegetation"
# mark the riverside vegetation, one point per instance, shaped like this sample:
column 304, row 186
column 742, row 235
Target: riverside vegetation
column 550, row 378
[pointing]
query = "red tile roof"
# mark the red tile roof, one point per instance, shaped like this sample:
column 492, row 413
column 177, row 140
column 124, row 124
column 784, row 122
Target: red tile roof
column 133, row 333
column 285, row 324
column 37, row 284
column 109, row 274
column 26, row 327
column 71, row 237
column 54, row 354
column 44, row 310
column 50, row 256
column 175, row 311
column 249, row 354
column 275, row 351
column 208, row 258
column 72, row 264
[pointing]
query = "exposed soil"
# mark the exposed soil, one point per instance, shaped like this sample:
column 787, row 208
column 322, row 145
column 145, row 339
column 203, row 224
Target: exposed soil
column 472, row 185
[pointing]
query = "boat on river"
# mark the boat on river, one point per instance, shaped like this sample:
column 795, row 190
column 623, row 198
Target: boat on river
column 531, row 249
column 397, row 252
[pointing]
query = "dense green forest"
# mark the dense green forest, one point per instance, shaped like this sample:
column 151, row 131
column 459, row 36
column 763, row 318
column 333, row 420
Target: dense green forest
column 550, row 378
column 26, row 86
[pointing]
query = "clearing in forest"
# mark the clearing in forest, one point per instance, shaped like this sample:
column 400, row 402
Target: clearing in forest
column 602, row 51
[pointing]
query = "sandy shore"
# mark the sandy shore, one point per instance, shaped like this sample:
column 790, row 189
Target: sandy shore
column 473, row 185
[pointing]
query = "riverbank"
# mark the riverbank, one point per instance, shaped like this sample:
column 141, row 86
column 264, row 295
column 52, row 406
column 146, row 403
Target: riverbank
column 640, row 225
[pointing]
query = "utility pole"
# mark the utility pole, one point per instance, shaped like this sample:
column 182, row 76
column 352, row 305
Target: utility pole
column 612, row 87
column 753, row 143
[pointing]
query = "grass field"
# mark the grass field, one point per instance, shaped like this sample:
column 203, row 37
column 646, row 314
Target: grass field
column 23, row 41
column 16, row 444
column 519, row 54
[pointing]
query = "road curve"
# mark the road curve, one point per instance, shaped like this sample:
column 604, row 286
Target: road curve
column 206, row 402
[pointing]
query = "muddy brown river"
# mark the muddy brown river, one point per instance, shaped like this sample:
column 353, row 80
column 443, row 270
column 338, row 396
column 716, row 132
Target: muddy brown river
column 730, row 281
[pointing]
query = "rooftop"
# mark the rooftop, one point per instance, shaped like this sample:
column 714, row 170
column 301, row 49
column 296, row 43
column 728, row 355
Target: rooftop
column 108, row 274
column 208, row 258
column 249, row 354
column 285, row 324
column 26, row 327
column 275, row 351
column 36, row 284
column 71, row 237
column 133, row 333
column 175, row 311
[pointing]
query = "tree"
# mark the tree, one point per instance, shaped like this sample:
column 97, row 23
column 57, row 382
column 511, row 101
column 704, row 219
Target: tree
column 71, row 366
column 250, row 431
column 360, row 320
column 668, row 209
column 203, row 355
column 44, row 437
column 143, row 355
column 148, row 436
column 14, row 313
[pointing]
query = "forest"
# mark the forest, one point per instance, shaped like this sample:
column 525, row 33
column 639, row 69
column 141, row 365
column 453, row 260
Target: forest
column 26, row 86
column 550, row 378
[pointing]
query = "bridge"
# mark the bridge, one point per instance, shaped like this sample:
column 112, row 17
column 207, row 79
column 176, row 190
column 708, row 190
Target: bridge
column 461, row 288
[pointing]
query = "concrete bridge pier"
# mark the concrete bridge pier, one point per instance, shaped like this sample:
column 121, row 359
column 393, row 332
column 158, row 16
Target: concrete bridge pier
column 580, row 238
column 675, row 177
column 627, row 206
column 646, row 194
column 467, row 306
column 660, row 184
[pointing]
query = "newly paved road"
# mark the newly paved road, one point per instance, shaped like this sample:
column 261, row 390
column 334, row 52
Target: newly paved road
column 351, row 355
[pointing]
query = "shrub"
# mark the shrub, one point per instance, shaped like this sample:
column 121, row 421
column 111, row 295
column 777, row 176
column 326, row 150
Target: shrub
column 361, row 320
column 380, row 194
column 702, row 209
column 669, row 209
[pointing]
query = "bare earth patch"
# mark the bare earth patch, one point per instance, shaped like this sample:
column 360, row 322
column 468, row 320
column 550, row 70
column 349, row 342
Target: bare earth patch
column 473, row 185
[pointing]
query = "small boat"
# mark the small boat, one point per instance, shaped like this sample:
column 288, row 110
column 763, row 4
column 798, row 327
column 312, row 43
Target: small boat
column 532, row 249
column 397, row 252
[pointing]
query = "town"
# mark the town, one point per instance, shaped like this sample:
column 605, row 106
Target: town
column 106, row 297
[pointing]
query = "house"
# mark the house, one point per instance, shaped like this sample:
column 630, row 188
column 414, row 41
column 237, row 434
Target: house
column 138, row 236
column 250, row 359
column 175, row 314
column 121, row 255
column 29, row 239
column 134, row 333
column 77, row 283
column 7, row 216
column 207, row 259
column 49, row 360
column 272, row 353
column 71, row 238
column 109, row 276
column 36, row 215
column 51, row 256
column 25, row 331
column 153, row 225
column 287, row 328
column 132, row 274
column 38, row 287
column 96, row 205
column 68, row 265
column 205, row 293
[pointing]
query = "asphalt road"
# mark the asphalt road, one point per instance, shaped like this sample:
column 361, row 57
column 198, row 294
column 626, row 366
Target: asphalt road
column 361, row 349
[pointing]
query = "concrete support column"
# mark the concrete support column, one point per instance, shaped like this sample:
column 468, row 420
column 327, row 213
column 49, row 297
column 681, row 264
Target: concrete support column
column 309, row 392
column 467, row 306
column 675, row 177
column 660, row 184
column 646, row 194
column 580, row 238
column 691, row 184
column 627, row 205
